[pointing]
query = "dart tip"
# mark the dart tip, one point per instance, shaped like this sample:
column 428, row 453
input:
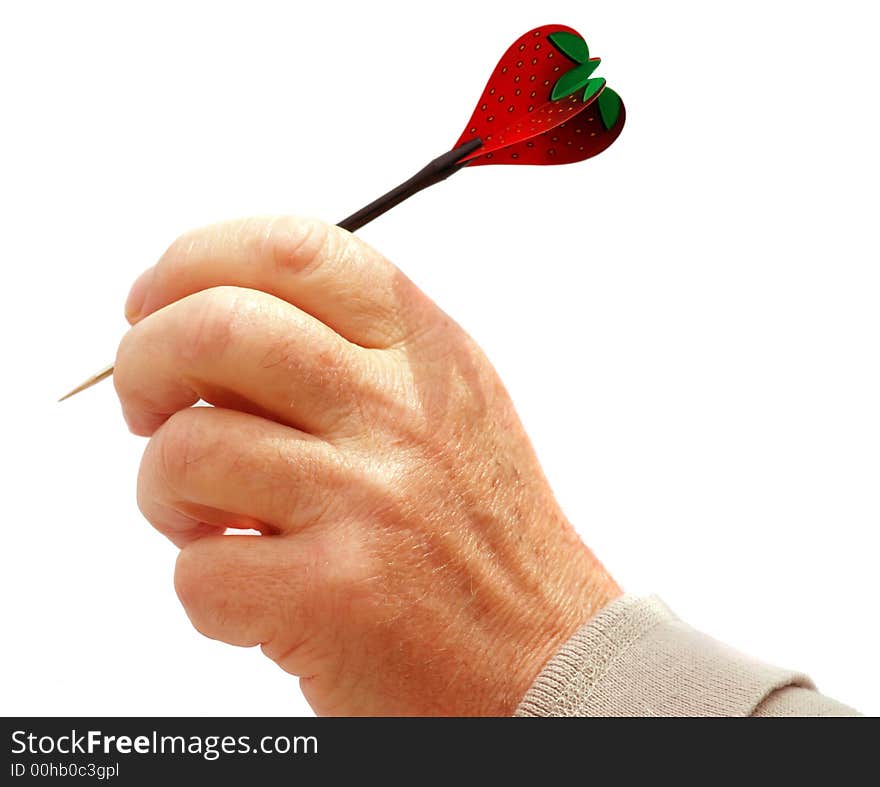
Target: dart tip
column 94, row 379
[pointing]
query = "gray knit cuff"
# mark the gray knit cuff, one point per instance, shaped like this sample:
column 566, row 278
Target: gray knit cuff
column 636, row 658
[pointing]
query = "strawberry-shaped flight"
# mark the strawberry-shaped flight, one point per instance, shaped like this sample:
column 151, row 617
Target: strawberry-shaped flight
column 542, row 104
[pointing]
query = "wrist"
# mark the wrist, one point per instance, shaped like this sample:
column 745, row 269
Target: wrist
column 565, row 603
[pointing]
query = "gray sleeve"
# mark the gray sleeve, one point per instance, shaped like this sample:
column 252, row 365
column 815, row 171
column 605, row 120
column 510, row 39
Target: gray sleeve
column 636, row 658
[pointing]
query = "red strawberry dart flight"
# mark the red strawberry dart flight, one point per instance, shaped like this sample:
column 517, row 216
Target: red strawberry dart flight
column 542, row 105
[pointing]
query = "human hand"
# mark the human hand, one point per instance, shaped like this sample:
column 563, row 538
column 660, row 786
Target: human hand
column 413, row 559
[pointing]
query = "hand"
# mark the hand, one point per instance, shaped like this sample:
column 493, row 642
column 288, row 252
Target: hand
column 413, row 559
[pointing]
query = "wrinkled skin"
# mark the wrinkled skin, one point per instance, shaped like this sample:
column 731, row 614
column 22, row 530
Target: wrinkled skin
column 412, row 557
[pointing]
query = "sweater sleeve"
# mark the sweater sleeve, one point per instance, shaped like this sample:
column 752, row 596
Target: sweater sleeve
column 636, row 658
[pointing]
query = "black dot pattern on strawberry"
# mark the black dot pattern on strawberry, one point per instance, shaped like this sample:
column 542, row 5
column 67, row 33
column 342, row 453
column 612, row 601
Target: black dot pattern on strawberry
column 515, row 124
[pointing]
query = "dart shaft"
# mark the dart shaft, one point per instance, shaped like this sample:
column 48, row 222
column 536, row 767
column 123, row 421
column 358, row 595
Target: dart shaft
column 439, row 169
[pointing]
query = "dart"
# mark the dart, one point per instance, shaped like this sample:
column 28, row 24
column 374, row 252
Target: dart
column 542, row 105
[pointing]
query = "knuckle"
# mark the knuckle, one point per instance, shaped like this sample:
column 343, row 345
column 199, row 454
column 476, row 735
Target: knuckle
column 296, row 245
column 180, row 249
column 139, row 411
column 304, row 503
column 199, row 584
column 121, row 366
column 430, row 331
column 437, row 417
column 333, row 367
column 175, row 447
column 203, row 578
column 213, row 321
column 189, row 584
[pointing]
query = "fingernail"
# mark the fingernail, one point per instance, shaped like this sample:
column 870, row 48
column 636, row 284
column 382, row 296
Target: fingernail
column 137, row 296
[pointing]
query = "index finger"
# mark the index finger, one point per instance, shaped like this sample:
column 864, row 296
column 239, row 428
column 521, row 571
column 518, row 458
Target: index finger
column 322, row 269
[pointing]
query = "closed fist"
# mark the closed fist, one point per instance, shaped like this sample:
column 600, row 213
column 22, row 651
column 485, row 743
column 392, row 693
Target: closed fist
column 412, row 557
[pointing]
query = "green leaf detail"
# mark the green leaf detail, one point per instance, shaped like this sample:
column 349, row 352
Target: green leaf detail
column 593, row 87
column 592, row 64
column 571, row 45
column 609, row 107
column 573, row 80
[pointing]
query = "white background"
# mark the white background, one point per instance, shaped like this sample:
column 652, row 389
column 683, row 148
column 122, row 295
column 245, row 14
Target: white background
column 688, row 324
